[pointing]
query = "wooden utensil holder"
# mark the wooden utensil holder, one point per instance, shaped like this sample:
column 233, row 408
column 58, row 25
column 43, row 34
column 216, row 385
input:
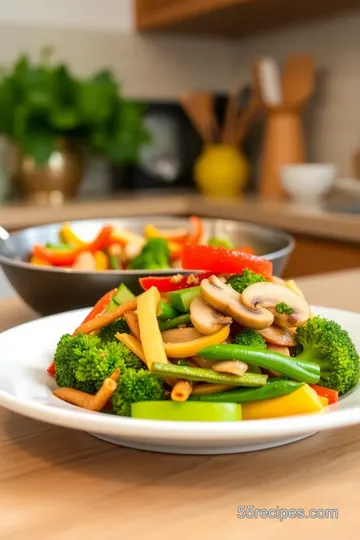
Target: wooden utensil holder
column 283, row 144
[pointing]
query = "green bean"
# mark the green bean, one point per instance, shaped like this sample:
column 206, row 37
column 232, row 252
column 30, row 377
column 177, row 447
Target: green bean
column 167, row 312
column 175, row 323
column 114, row 262
column 244, row 395
column 207, row 375
column 302, row 371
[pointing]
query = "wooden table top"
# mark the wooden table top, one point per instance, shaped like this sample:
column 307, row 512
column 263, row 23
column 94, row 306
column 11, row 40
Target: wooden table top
column 62, row 484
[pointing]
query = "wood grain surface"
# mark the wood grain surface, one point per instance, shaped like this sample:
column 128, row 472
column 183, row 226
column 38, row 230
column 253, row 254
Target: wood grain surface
column 63, row 484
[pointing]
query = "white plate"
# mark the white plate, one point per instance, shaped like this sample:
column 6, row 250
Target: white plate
column 25, row 387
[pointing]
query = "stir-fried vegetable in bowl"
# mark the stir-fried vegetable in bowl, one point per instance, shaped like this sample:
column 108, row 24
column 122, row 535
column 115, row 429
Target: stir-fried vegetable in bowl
column 216, row 346
column 117, row 248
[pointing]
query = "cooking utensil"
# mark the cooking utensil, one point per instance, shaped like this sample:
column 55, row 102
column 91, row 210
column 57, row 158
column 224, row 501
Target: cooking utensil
column 52, row 290
column 199, row 106
column 230, row 122
column 268, row 82
column 283, row 102
column 298, row 80
column 246, row 119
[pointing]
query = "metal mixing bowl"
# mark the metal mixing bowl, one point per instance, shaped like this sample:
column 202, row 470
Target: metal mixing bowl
column 52, row 290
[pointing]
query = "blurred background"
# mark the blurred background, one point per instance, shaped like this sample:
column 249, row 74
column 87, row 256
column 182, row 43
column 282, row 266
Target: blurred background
column 236, row 108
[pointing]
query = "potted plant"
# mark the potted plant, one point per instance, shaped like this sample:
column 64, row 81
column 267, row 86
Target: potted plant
column 54, row 118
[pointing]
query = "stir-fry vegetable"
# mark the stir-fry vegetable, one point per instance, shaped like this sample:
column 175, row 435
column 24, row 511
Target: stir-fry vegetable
column 187, row 412
column 303, row 371
column 244, row 395
column 68, row 257
column 207, row 375
column 213, row 351
column 303, row 401
column 115, row 248
column 173, row 283
column 218, row 259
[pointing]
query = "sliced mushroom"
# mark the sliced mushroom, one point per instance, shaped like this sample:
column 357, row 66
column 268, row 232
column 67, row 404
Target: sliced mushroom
column 268, row 295
column 250, row 318
column 235, row 367
column 85, row 261
column 224, row 298
column 278, row 348
column 206, row 319
column 217, row 294
column 180, row 335
column 278, row 335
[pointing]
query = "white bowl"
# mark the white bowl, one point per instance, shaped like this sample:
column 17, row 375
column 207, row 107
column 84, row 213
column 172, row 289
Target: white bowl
column 307, row 182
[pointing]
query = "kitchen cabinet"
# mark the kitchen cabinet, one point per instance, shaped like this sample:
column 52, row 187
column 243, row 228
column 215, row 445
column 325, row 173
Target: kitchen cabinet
column 230, row 18
column 314, row 255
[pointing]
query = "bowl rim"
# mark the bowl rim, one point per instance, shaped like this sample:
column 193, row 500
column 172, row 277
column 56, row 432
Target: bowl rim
column 8, row 261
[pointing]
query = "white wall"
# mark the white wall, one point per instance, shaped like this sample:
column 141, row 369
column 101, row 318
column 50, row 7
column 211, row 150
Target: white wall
column 90, row 14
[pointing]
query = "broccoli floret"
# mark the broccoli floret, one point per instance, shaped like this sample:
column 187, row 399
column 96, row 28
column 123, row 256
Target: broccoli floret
column 68, row 352
column 101, row 362
column 282, row 307
column 221, row 242
column 107, row 333
column 326, row 343
column 250, row 338
column 84, row 361
column 240, row 282
column 154, row 255
column 134, row 386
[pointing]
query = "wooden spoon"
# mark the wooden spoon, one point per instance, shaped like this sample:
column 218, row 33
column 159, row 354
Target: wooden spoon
column 298, row 80
column 228, row 135
column 246, row 118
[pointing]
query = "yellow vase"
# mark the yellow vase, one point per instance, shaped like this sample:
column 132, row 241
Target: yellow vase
column 221, row 171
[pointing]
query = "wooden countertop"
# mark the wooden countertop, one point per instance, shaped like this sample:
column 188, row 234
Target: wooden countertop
column 60, row 484
column 283, row 215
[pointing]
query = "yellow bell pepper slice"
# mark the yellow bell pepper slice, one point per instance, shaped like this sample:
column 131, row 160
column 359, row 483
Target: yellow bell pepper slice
column 133, row 344
column 101, row 260
column 38, row 261
column 324, row 401
column 191, row 348
column 151, row 339
column 303, row 401
column 68, row 236
column 151, row 231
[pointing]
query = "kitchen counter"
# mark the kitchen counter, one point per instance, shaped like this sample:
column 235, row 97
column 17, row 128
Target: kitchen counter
column 284, row 215
column 63, row 484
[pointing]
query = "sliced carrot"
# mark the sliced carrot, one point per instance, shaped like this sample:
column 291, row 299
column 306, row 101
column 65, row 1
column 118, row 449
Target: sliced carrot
column 328, row 393
column 106, row 318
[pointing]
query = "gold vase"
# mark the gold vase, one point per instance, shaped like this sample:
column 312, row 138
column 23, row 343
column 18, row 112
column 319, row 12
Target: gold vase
column 54, row 182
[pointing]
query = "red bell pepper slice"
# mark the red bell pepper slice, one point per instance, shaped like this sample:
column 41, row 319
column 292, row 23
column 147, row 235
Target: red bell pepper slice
column 197, row 232
column 51, row 369
column 221, row 260
column 246, row 249
column 99, row 307
column 329, row 393
column 173, row 283
column 68, row 257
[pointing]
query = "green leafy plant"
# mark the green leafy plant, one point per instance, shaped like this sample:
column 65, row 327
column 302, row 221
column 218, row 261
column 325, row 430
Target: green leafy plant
column 43, row 102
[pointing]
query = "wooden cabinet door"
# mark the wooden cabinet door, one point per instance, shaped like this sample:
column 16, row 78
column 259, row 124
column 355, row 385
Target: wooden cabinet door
column 151, row 13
